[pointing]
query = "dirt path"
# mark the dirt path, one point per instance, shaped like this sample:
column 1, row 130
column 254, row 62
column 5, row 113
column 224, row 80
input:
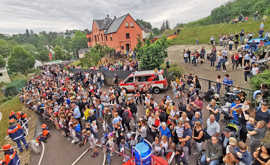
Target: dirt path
column 175, row 55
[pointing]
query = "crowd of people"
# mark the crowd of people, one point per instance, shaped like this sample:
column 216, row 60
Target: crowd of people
column 125, row 64
column 233, row 55
column 78, row 104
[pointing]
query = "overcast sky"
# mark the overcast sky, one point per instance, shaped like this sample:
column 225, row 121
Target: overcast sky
column 59, row 15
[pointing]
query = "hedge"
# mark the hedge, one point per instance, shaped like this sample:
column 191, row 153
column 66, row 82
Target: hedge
column 14, row 87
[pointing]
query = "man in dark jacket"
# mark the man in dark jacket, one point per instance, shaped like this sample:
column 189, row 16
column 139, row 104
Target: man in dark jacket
column 213, row 152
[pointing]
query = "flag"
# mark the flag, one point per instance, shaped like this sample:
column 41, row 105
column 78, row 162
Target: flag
column 50, row 56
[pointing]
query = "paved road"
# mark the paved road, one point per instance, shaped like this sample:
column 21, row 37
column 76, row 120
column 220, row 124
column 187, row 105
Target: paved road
column 175, row 55
column 60, row 151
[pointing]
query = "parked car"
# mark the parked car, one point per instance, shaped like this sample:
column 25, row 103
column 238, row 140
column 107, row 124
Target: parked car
column 139, row 79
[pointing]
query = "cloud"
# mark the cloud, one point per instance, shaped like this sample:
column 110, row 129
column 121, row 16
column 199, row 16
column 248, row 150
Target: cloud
column 59, row 15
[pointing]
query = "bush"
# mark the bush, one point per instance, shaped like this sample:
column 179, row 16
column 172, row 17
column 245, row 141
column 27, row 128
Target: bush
column 14, row 87
column 257, row 80
column 173, row 72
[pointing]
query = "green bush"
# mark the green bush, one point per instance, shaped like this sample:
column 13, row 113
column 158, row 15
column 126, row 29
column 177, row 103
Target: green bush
column 256, row 81
column 173, row 72
column 14, row 87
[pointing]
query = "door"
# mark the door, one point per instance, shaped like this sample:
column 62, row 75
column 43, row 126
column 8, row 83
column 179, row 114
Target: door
column 127, row 47
column 129, row 83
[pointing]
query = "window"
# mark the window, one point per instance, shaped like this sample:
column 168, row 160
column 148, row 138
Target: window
column 126, row 24
column 95, row 38
column 111, row 38
column 131, row 25
column 106, row 38
column 147, row 78
column 1, row 74
column 122, row 47
column 129, row 80
column 127, row 36
column 89, row 39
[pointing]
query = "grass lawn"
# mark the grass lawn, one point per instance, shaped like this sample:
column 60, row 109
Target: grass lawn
column 189, row 34
column 15, row 105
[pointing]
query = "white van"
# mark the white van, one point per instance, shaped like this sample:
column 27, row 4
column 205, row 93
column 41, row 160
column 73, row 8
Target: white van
column 154, row 78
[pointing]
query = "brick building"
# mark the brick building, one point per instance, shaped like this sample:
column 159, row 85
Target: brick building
column 118, row 33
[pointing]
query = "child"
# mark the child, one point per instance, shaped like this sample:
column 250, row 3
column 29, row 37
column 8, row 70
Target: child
column 84, row 137
column 179, row 129
column 156, row 147
column 164, row 145
column 109, row 148
column 92, row 141
column 179, row 156
column 133, row 141
column 250, row 124
column 94, row 128
column 122, row 150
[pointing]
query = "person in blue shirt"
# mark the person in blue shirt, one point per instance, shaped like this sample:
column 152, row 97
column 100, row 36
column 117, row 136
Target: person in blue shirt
column 77, row 129
column 164, row 131
column 100, row 109
column 16, row 133
column 185, row 141
column 227, row 82
column 242, row 154
column 235, row 110
column 11, row 157
column 76, row 111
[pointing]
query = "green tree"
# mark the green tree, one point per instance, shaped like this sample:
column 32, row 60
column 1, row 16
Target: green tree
column 4, row 48
column 20, row 60
column 2, row 62
column 94, row 55
column 262, row 78
column 144, row 24
column 167, row 25
column 156, row 31
column 59, row 53
column 29, row 48
column 79, row 41
column 43, row 55
column 152, row 55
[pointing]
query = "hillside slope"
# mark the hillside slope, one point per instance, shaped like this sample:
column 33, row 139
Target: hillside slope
column 234, row 9
column 189, row 34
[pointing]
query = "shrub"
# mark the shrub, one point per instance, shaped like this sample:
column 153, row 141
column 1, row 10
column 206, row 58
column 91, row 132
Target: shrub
column 257, row 80
column 173, row 72
column 14, row 87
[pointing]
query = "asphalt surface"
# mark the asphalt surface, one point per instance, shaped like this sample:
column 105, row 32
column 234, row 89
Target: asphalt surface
column 60, row 151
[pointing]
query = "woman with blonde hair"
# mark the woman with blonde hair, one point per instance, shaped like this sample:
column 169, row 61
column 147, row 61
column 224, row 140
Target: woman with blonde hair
column 164, row 145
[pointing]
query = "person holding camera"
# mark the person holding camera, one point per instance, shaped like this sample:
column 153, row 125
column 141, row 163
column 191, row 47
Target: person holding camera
column 262, row 155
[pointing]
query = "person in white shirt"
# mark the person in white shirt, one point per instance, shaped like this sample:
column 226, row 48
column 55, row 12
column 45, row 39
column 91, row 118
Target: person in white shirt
column 213, row 128
column 255, row 70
